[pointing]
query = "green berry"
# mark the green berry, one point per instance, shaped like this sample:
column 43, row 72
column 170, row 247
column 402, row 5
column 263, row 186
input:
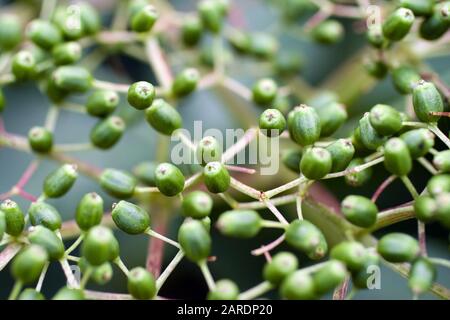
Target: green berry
column 191, row 31
column 89, row 211
column 240, row 41
column 282, row 104
column 14, row 217
column 291, row 158
column 194, row 240
column 437, row 24
column 328, row 277
column 282, row 265
column 10, row 31
column 299, row 285
column 397, row 25
column 185, row 82
column 375, row 37
column 288, row 63
column 328, row 32
column 2, row 100
column 239, row 223
column 360, row 211
column 397, row 159
column 316, row 163
column 28, row 264
column 197, row 205
column 163, row 117
column 370, row 138
column 351, row 253
column 68, row 20
column 439, row 184
column 443, row 209
column 30, row 294
column 53, row 92
column 263, row 45
column 141, row 284
column 144, row 19
column 130, row 218
column 342, row 152
column 377, row 68
column 118, row 183
column 225, row 290
column 418, row 141
column 100, row 246
column 44, row 214
column 48, row 240
column 2, row 225
column 426, row 99
column 306, row 237
column 398, row 247
column 44, row 34
column 442, row 161
column 106, row 133
column 264, row 91
column 216, row 177
column 169, row 179
column 66, row 293
column 211, row 14
column 145, row 173
column 322, row 99
column 358, row 178
column 23, row 65
column 102, row 103
column 421, row 276
column 405, row 78
column 385, row 119
column 206, row 221
column 419, row 7
column 272, row 123
column 361, row 278
column 90, row 18
column 66, row 53
column 141, row 94
column 425, row 208
column 304, row 125
column 332, row 116
column 40, row 139
column 73, row 78
column 101, row 274
column 208, row 150
column 59, row 182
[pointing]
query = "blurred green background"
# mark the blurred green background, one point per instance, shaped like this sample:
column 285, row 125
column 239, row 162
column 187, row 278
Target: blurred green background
column 26, row 107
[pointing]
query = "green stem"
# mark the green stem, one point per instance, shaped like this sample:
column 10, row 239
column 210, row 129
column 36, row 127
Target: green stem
column 409, row 185
column 272, row 224
column 207, row 275
column 42, row 277
column 434, row 128
column 121, row 266
column 169, row 269
column 75, row 244
column 256, row 291
column 87, row 274
column 155, row 234
column 441, row 262
column 15, row 290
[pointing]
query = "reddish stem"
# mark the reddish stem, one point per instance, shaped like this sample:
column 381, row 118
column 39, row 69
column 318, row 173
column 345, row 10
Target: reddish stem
column 5, row 195
column 156, row 247
column 382, row 187
column 237, row 19
column 341, row 292
column 26, row 195
column 268, row 247
column 29, row 171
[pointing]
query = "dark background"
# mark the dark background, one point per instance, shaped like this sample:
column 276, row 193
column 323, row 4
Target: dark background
column 27, row 107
